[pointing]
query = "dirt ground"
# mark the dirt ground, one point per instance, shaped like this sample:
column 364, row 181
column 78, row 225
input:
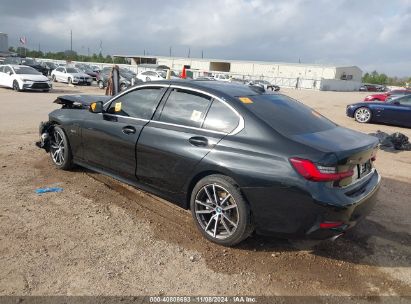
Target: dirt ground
column 101, row 237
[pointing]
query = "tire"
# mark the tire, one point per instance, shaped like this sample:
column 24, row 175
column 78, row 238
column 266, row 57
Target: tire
column 16, row 86
column 148, row 79
column 89, row 83
column 54, row 78
column 69, row 80
column 363, row 115
column 60, row 151
column 226, row 223
column 123, row 86
column 100, row 84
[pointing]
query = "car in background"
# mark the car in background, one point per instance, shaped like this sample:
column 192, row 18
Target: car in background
column 240, row 160
column 264, row 84
column 222, row 77
column 126, row 79
column 95, row 68
column 49, row 66
column 395, row 112
column 21, row 77
column 27, row 62
column 70, row 76
column 152, row 75
column 387, row 95
column 86, row 69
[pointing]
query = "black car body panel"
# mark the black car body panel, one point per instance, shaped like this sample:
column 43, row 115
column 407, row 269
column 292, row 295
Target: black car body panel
column 169, row 158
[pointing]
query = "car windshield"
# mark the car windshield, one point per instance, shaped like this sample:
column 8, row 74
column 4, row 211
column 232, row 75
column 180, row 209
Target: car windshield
column 72, row 70
column 163, row 74
column 26, row 70
column 286, row 115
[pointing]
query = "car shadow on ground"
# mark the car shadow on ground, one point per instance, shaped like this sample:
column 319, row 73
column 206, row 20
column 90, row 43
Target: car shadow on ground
column 369, row 243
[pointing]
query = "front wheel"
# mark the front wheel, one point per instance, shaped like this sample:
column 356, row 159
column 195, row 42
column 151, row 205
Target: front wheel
column 69, row 80
column 54, row 78
column 363, row 115
column 16, row 86
column 123, row 86
column 60, row 151
column 220, row 211
column 100, row 84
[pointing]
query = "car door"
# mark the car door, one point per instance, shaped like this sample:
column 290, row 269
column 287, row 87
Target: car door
column 396, row 111
column 8, row 77
column 404, row 115
column 174, row 142
column 2, row 76
column 109, row 139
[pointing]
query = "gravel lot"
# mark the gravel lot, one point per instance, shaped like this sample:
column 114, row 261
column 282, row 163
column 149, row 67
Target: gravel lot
column 101, row 237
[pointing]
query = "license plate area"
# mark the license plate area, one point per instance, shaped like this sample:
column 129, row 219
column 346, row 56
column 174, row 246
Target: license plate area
column 362, row 170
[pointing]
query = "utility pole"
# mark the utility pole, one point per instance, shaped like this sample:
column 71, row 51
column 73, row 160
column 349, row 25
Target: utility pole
column 71, row 41
column 170, row 51
column 188, row 53
column 39, row 47
column 202, row 54
column 144, row 52
column 88, row 52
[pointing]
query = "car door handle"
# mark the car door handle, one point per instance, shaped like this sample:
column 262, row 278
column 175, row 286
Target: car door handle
column 198, row 141
column 129, row 130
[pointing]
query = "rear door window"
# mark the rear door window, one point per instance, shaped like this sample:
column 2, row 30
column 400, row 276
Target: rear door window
column 286, row 115
column 221, row 118
column 138, row 103
column 184, row 107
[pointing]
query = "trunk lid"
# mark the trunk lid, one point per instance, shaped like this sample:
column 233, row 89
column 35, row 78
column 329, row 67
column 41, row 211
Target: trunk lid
column 354, row 150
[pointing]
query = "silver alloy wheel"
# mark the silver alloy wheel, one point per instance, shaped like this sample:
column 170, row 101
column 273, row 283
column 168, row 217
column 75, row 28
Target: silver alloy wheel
column 216, row 211
column 16, row 85
column 362, row 115
column 57, row 148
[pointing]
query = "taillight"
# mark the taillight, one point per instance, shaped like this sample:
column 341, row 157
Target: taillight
column 329, row 225
column 310, row 171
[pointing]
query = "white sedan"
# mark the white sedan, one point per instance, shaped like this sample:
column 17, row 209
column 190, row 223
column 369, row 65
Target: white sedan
column 71, row 76
column 21, row 77
column 152, row 75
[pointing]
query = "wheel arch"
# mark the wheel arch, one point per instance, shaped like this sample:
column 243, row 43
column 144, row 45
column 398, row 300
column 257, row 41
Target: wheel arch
column 199, row 176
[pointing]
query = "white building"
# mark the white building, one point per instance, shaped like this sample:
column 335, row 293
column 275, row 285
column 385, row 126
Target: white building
column 309, row 76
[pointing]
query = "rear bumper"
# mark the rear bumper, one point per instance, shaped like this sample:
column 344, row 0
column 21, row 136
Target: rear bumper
column 292, row 213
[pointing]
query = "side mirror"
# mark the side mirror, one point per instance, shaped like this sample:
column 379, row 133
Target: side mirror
column 96, row 107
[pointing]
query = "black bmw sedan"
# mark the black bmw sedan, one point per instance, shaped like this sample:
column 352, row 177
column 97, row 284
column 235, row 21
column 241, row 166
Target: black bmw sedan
column 240, row 159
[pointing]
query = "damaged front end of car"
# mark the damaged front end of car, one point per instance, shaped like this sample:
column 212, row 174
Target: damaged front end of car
column 45, row 129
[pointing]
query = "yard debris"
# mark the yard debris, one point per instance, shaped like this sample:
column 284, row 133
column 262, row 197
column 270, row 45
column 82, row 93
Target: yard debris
column 395, row 141
column 45, row 190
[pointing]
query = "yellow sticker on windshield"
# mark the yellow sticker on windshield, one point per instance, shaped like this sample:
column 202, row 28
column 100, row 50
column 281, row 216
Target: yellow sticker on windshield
column 245, row 100
column 93, row 106
column 117, row 107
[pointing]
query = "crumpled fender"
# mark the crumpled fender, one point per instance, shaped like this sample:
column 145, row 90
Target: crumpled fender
column 80, row 101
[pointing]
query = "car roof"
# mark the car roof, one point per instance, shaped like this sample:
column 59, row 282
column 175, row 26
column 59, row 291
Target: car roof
column 215, row 87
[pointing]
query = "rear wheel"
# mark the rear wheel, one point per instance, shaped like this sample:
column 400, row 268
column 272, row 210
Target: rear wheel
column 16, row 86
column 148, row 79
column 363, row 115
column 123, row 86
column 60, row 151
column 69, row 80
column 100, row 84
column 220, row 211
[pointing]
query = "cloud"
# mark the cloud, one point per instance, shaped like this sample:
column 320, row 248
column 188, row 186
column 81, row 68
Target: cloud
column 373, row 34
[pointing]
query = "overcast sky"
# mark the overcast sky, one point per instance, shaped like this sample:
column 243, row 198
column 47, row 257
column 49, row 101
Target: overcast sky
column 373, row 34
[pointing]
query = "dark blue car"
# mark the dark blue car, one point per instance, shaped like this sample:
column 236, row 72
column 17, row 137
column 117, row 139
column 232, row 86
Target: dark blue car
column 395, row 112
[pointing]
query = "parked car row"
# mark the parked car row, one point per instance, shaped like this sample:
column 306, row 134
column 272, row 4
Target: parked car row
column 386, row 96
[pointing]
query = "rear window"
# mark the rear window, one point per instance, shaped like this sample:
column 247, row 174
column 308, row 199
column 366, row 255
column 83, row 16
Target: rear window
column 286, row 115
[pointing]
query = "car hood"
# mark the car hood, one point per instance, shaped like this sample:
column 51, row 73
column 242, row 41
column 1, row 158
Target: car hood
column 81, row 100
column 33, row 77
column 341, row 141
column 78, row 74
